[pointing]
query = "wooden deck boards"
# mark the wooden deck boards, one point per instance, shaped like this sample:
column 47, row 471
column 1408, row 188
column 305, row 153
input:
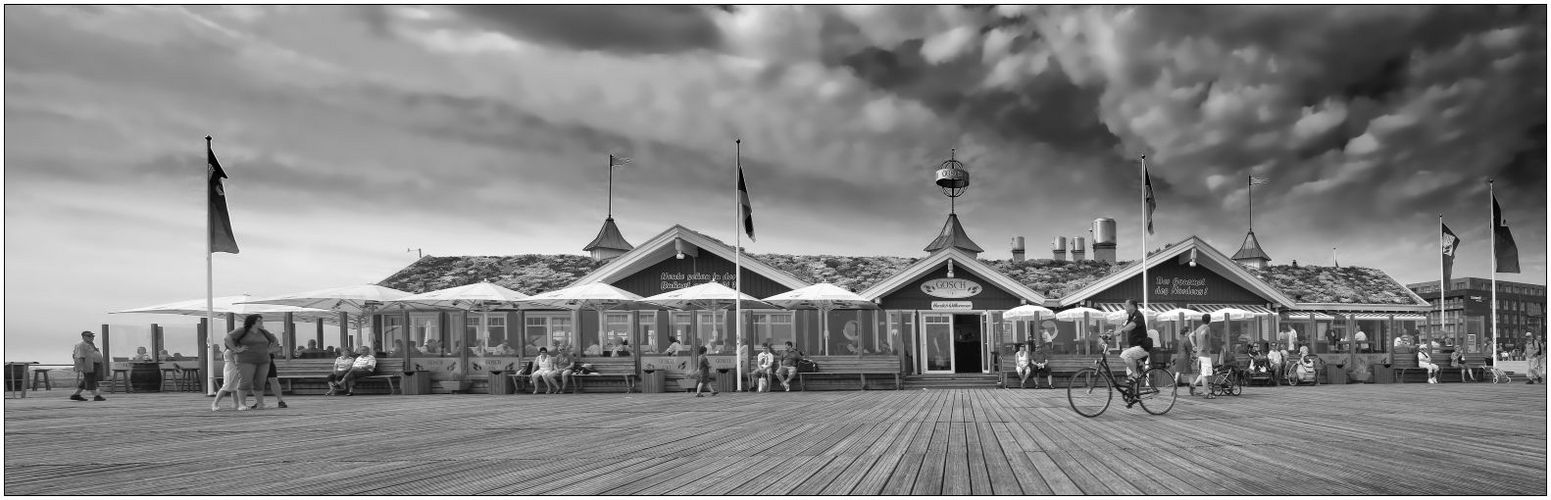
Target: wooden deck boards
column 1454, row 439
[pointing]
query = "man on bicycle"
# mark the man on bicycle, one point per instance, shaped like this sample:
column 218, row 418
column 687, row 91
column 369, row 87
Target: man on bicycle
column 1135, row 330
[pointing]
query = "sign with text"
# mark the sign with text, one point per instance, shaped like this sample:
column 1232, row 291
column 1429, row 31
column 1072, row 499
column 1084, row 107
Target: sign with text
column 951, row 288
column 676, row 281
column 952, row 305
column 1174, row 285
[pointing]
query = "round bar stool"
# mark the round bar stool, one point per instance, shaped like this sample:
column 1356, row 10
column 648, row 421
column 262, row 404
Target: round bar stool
column 46, row 383
column 119, row 379
column 170, row 375
column 191, row 380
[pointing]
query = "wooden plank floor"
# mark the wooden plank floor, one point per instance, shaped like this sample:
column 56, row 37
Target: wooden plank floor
column 1447, row 439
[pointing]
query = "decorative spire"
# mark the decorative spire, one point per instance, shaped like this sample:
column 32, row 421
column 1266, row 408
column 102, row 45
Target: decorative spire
column 1250, row 253
column 953, row 236
column 609, row 243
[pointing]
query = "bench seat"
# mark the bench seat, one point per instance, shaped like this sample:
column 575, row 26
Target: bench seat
column 291, row 370
column 859, row 367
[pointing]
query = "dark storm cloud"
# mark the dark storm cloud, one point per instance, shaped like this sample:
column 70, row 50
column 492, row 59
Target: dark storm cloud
column 614, row 28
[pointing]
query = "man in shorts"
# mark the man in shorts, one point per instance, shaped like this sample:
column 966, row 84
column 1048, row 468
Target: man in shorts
column 342, row 366
column 1139, row 343
column 788, row 369
column 365, row 364
column 1039, row 362
column 88, row 361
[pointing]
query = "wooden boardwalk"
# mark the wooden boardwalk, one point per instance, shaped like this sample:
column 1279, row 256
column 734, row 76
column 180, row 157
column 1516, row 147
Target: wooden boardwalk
column 1450, row 439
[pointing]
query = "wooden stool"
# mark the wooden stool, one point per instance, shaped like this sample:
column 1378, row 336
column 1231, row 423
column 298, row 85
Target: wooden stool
column 191, row 380
column 170, row 375
column 120, row 376
column 46, row 383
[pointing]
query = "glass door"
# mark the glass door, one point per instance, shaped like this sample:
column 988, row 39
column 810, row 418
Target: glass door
column 937, row 343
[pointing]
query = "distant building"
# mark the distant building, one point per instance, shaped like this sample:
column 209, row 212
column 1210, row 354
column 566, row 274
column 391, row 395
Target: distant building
column 1521, row 307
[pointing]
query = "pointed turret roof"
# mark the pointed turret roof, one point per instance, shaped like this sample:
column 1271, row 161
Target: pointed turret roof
column 1251, row 249
column 609, row 238
column 953, row 236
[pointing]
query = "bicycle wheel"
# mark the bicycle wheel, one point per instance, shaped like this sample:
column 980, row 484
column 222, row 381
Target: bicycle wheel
column 1089, row 392
column 1157, row 391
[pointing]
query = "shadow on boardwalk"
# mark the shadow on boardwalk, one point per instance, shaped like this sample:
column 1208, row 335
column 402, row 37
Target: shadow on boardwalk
column 1450, row 439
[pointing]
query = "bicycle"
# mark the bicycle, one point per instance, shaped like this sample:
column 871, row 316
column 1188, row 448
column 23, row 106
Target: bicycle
column 1090, row 390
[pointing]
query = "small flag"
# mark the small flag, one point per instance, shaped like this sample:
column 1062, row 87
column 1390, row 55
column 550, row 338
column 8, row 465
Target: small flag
column 1152, row 203
column 1507, row 250
column 1256, row 181
column 221, row 237
column 743, row 203
column 618, row 161
column 1450, row 243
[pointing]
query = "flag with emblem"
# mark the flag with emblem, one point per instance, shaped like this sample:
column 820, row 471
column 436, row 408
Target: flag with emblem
column 1450, row 243
column 743, row 203
column 1507, row 251
column 221, row 237
column 1152, row 203
column 618, row 161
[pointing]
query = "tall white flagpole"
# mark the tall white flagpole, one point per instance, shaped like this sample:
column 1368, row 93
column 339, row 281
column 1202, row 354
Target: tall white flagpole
column 1491, row 209
column 209, row 281
column 737, row 259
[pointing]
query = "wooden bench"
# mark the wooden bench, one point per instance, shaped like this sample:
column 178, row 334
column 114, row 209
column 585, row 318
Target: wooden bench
column 291, row 370
column 1406, row 366
column 610, row 369
column 853, row 366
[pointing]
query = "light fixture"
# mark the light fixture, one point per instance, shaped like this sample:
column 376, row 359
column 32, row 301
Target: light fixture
column 950, row 269
column 680, row 256
column 1192, row 257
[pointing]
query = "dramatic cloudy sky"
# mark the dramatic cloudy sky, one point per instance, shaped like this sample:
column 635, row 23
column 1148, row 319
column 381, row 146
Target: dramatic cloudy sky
column 353, row 133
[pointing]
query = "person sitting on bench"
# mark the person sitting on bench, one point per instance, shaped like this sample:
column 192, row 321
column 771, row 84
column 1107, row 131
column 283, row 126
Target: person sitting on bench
column 1425, row 360
column 1039, row 363
column 544, row 370
column 365, row 365
column 764, row 364
column 342, row 366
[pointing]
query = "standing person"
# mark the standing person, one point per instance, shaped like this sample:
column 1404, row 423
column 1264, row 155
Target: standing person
column 251, row 344
column 88, row 364
column 1203, row 370
column 273, row 376
column 1136, row 338
column 703, row 373
column 1362, row 340
column 342, row 366
column 1535, row 356
column 1202, row 359
column 1022, row 359
column 788, row 369
column 231, row 378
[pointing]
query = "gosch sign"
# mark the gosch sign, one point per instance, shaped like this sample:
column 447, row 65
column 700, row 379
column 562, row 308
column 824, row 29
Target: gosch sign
column 951, row 288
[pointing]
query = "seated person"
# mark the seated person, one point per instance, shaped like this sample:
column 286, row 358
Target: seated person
column 764, row 366
column 1039, row 362
column 564, row 363
column 365, row 365
column 312, row 347
column 141, row 355
column 544, row 370
column 342, row 366
column 673, row 347
column 623, row 349
column 593, row 350
column 1425, row 360
column 164, row 355
column 398, row 347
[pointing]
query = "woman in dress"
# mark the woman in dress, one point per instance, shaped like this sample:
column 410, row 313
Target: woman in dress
column 703, row 373
column 544, row 371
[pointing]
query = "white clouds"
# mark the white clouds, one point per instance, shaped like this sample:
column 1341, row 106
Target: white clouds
column 950, row 44
column 1317, row 120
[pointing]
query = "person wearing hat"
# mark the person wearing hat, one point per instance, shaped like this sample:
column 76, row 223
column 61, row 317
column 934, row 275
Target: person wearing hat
column 88, row 363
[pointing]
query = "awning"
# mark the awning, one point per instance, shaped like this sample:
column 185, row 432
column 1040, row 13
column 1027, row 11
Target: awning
column 1211, row 308
column 1109, row 307
column 1305, row 315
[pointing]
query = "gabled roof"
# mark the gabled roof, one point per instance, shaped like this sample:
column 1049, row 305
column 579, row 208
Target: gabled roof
column 962, row 259
column 1340, row 288
column 609, row 238
column 661, row 247
column 848, row 272
column 953, row 236
column 1251, row 249
column 1205, row 256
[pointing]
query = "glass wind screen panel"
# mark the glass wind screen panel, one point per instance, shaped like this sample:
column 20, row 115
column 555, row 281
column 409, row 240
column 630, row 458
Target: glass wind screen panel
column 937, row 334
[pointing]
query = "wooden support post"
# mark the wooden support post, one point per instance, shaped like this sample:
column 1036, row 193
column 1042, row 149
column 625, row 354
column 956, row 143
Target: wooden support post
column 231, row 322
column 107, row 353
column 202, row 339
column 156, row 342
column 290, row 335
column 344, row 329
column 319, row 322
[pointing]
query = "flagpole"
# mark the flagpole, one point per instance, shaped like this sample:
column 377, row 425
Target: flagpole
column 1251, row 206
column 1144, row 233
column 209, row 280
column 611, row 187
column 737, row 259
column 1491, row 190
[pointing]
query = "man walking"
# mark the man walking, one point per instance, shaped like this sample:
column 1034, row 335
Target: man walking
column 88, row 363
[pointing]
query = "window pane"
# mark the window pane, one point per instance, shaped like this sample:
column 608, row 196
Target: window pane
column 616, row 329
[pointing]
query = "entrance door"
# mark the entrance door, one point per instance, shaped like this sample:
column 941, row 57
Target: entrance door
column 937, row 343
column 967, row 346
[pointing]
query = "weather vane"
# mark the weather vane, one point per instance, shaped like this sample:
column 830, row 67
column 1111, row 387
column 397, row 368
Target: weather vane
column 953, row 179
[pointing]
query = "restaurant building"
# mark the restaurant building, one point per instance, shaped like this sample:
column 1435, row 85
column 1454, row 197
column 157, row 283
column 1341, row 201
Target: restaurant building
column 1468, row 308
column 936, row 314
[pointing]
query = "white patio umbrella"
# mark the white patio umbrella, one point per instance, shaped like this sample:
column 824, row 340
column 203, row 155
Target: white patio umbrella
column 1179, row 314
column 481, row 297
column 1120, row 316
column 358, row 300
column 1027, row 312
column 1082, row 315
column 824, row 297
column 234, row 304
column 711, row 296
column 1231, row 314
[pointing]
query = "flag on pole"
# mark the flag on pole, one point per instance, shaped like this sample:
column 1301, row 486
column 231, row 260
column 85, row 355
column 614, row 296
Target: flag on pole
column 743, row 204
column 1450, row 243
column 1152, row 202
column 1256, row 181
column 221, row 237
column 618, row 161
column 1507, row 250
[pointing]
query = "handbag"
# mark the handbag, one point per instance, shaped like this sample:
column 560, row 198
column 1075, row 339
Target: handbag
column 807, row 366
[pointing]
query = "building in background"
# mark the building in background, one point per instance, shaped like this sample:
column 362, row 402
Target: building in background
column 1521, row 308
